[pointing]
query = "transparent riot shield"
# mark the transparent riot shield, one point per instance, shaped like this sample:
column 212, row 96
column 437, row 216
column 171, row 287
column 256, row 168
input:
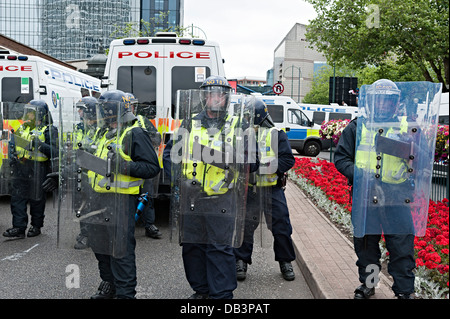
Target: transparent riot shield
column 24, row 165
column 210, row 164
column 93, row 207
column 396, row 136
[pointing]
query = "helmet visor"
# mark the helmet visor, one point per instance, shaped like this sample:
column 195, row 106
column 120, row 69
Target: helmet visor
column 215, row 98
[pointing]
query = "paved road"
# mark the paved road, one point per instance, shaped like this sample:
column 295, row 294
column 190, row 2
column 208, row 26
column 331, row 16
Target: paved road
column 36, row 268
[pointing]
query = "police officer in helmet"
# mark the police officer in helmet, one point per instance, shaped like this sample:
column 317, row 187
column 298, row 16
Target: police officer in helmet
column 135, row 160
column 387, row 214
column 207, row 199
column 30, row 164
column 271, row 174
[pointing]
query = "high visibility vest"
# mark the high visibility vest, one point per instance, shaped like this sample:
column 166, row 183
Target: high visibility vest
column 267, row 155
column 30, row 134
column 214, row 180
column 391, row 169
column 122, row 184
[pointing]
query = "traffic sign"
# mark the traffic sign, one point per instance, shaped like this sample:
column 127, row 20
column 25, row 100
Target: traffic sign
column 278, row 88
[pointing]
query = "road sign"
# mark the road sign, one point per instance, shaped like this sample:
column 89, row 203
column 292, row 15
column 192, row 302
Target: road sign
column 278, row 88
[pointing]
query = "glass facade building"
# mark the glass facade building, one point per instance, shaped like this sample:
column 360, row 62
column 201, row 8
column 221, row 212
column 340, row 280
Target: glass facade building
column 77, row 29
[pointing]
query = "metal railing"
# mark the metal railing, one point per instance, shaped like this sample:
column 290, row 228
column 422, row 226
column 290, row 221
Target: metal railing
column 440, row 182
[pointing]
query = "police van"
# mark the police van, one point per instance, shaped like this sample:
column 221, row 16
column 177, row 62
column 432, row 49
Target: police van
column 302, row 122
column 154, row 68
column 25, row 77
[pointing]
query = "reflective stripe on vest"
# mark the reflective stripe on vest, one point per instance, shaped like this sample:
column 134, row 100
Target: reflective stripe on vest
column 214, row 180
column 391, row 170
column 122, row 184
column 267, row 155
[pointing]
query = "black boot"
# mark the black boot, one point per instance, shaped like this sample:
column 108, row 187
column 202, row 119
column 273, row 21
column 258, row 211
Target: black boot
column 14, row 232
column 106, row 290
column 241, row 270
column 152, row 231
column 287, row 271
column 34, row 231
column 363, row 292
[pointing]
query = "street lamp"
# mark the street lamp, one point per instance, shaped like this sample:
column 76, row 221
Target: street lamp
column 199, row 29
column 292, row 67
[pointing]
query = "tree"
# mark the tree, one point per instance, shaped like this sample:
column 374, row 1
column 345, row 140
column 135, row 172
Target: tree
column 372, row 32
column 388, row 69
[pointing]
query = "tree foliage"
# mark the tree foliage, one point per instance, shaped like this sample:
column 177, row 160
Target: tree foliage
column 372, row 32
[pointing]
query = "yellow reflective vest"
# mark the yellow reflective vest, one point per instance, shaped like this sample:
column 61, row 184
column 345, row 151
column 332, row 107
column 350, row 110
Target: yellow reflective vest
column 267, row 156
column 29, row 135
column 214, row 180
column 122, row 184
column 391, row 169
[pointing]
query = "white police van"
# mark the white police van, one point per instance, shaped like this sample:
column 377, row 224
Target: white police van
column 25, row 77
column 302, row 122
column 154, row 68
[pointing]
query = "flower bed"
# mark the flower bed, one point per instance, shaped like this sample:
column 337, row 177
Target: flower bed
column 332, row 130
column 320, row 180
column 441, row 154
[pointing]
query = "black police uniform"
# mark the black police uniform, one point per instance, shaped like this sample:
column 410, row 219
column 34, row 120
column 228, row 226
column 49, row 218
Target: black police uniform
column 210, row 268
column 367, row 247
column 21, row 190
column 121, row 272
column 279, row 223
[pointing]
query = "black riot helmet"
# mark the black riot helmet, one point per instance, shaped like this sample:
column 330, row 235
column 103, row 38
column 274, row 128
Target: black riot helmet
column 88, row 105
column 36, row 113
column 115, row 106
column 215, row 94
column 262, row 116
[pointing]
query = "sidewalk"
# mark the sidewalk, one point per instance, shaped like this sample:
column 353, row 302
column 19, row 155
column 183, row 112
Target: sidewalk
column 324, row 255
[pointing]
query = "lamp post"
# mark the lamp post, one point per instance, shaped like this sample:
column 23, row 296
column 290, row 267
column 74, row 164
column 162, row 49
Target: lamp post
column 292, row 67
column 192, row 31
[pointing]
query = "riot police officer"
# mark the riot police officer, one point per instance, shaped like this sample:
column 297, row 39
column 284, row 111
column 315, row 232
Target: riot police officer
column 359, row 157
column 133, row 159
column 267, row 189
column 30, row 164
column 209, row 194
column 87, row 131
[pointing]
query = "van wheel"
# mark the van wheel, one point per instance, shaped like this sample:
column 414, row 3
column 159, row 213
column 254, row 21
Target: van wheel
column 311, row 148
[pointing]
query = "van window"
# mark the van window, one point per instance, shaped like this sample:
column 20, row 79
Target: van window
column 339, row 116
column 297, row 117
column 185, row 78
column 11, row 90
column 276, row 113
column 318, row 117
column 139, row 80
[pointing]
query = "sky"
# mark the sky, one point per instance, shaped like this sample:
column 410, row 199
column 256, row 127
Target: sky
column 247, row 31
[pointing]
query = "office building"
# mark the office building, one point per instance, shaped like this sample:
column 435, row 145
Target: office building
column 77, row 29
column 295, row 63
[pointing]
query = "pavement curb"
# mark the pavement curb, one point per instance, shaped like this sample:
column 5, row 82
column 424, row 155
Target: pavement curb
column 324, row 255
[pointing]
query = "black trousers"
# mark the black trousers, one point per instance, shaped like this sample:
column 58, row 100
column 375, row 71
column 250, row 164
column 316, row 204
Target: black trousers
column 401, row 259
column 121, row 272
column 19, row 207
column 279, row 224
